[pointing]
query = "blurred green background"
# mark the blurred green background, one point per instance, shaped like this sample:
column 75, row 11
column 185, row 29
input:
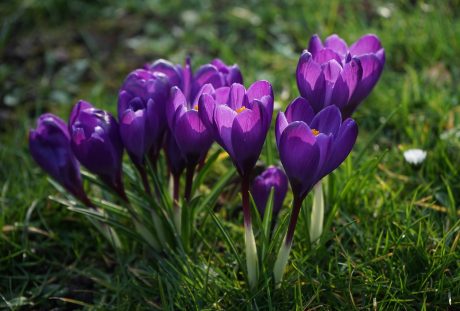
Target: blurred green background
column 54, row 52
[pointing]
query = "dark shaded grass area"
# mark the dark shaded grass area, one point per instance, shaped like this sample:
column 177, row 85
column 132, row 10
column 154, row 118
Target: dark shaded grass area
column 394, row 230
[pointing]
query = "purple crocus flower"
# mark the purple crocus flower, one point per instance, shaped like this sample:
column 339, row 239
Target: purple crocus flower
column 239, row 120
column 141, row 110
column 49, row 145
column 335, row 74
column 96, row 142
column 312, row 146
column 229, row 74
column 217, row 73
column 190, row 134
column 272, row 177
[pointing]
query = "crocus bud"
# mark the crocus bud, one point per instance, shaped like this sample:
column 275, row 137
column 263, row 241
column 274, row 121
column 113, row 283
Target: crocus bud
column 49, row 145
column 239, row 120
column 272, row 177
column 335, row 74
column 141, row 104
column 96, row 143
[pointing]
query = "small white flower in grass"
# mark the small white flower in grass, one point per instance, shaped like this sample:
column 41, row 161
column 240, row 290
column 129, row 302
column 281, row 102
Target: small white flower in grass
column 415, row 156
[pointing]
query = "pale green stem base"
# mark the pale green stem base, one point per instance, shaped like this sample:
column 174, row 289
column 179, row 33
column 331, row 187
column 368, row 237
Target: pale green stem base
column 281, row 261
column 140, row 228
column 317, row 213
column 108, row 232
column 178, row 219
column 159, row 229
column 252, row 261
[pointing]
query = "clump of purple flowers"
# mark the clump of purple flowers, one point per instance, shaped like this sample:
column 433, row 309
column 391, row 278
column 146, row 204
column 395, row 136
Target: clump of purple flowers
column 169, row 107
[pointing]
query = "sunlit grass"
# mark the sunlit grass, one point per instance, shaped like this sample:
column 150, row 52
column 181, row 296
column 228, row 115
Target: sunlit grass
column 392, row 230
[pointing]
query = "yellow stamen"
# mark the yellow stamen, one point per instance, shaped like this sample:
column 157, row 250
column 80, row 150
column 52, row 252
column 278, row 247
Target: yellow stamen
column 315, row 132
column 241, row 109
column 195, row 107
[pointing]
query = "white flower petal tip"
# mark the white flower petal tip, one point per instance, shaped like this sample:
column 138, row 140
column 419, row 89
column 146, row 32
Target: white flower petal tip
column 415, row 156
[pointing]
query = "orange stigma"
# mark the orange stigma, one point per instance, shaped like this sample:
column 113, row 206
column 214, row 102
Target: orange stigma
column 315, row 132
column 195, row 107
column 241, row 109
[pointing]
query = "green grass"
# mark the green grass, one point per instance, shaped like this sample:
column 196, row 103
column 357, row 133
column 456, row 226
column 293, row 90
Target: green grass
column 393, row 230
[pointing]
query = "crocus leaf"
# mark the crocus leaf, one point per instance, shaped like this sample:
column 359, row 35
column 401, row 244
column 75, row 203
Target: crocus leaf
column 267, row 222
column 203, row 172
column 227, row 238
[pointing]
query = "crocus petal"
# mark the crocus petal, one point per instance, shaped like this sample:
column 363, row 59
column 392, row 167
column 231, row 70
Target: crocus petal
column 222, row 95
column 342, row 146
column 192, row 137
column 327, row 121
column 299, row 154
column 248, row 136
column 340, row 93
column 260, row 193
column 325, row 145
column 154, row 124
column 219, row 64
column 205, row 89
column 81, row 105
column 174, row 156
column 266, row 105
column 206, row 106
column 206, row 74
column 331, row 70
column 299, row 110
column 124, row 98
column 337, row 44
column 381, row 55
column 311, row 81
column 234, row 75
column 280, row 124
column 237, row 96
column 177, row 100
column 372, row 69
column 133, row 134
column 366, row 44
column 325, row 55
column 223, row 118
column 169, row 69
column 352, row 73
column 259, row 89
column 315, row 44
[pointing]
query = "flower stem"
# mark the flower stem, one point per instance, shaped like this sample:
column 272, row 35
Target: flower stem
column 252, row 262
column 176, row 208
column 245, row 199
column 189, row 181
column 317, row 213
column 296, row 205
column 285, row 249
column 144, row 178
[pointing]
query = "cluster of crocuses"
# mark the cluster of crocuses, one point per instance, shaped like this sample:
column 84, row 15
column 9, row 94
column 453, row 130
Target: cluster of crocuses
column 168, row 107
